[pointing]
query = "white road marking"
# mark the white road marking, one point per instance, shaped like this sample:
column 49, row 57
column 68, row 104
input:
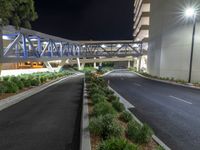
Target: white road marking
column 174, row 97
column 137, row 84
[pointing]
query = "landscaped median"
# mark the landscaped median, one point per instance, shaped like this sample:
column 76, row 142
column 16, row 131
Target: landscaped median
column 10, row 85
column 111, row 126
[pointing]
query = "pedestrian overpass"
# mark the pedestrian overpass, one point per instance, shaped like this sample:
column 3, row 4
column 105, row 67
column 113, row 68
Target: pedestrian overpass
column 28, row 45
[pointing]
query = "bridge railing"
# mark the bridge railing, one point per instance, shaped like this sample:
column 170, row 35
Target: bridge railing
column 24, row 44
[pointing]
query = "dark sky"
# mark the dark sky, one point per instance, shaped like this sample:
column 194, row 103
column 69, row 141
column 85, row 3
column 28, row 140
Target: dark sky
column 85, row 19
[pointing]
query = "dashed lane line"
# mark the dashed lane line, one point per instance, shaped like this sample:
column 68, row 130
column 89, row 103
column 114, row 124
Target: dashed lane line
column 180, row 99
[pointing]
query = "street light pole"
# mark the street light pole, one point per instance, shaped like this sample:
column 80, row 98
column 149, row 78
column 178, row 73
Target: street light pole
column 192, row 48
column 1, row 44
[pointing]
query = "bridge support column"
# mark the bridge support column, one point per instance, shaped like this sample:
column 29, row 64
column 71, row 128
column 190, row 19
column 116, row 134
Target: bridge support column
column 129, row 64
column 78, row 63
column 139, row 60
column 49, row 67
column 63, row 62
column 82, row 66
column 95, row 64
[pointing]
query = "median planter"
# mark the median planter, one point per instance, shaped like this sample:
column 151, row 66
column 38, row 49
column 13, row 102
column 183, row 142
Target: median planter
column 111, row 126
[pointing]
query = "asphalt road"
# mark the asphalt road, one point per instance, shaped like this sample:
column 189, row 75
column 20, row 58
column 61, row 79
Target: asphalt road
column 49, row 120
column 172, row 111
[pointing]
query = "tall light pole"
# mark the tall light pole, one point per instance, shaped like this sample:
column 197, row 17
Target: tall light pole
column 191, row 13
column 1, row 43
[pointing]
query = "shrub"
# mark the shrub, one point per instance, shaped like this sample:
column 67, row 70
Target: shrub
column 103, row 108
column 26, row 82
column 97, row 98
column 139, row 134
column 126, row 116
column 105, row 127
column 2, row 88
column 17, row 81
column 116, row 144
column 95, row 90
column 112, row 97
column 43, row 79
column 118, row 106
column 11, row 87
column 159, row 148
column 35, row 81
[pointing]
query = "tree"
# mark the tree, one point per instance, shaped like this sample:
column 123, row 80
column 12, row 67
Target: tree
column 17, row 12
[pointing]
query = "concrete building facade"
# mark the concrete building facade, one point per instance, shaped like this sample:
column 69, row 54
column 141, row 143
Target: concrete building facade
column 170, row 38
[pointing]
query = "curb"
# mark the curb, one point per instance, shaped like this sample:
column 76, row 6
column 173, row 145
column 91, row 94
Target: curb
column 154, row 137
column 85, row 134
column 9, row 101
column 168, row 82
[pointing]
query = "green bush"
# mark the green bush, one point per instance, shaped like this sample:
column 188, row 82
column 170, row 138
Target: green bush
column 26, row 82
column 96, row 90
column 105, row 127
column 159, row 148
column 117, row 144
column 103, row 108
column 11, row 87
column 126, row 116
column 139, row 134
column 2, row 88
column 97, row 98
column 35, row 81
column 17, row 81
column 118, row 106
column 43, row 79
column 112, row 97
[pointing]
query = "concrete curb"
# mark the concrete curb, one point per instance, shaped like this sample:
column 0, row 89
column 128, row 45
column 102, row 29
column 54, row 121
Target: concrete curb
column 168, row 82
column 154, row 137
column 7, row 102
column 122, row 99
column 85, row 134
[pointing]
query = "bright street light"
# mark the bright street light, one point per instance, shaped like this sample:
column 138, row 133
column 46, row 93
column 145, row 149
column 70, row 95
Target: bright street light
column 190, row 12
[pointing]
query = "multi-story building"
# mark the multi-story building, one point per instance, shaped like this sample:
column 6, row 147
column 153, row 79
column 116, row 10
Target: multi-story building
column 141, row 28
column 163, row 24
column 141, row 20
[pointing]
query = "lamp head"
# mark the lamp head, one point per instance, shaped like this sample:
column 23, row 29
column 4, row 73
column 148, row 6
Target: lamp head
column 190, row 12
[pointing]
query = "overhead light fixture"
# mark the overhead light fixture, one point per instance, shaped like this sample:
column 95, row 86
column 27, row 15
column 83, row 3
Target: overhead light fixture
column 119, row 45
column 103, row 46
column 190, row 12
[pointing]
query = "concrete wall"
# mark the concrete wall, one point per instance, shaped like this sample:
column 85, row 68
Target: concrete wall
column 170, row 41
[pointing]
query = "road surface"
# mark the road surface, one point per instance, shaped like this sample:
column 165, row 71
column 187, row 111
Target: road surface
column 49, row 120
column 172, row 111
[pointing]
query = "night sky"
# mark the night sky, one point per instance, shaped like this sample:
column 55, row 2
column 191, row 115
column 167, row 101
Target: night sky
column 85, row 19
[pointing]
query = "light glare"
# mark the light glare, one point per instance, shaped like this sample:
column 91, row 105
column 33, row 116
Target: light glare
column 190, row 12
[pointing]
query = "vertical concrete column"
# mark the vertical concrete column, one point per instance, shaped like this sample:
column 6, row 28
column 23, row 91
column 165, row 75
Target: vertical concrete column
column 78, row 63
column 129, row 64
column 63, row 62
column 139, row 61
column 95, row 64
column 48, row 65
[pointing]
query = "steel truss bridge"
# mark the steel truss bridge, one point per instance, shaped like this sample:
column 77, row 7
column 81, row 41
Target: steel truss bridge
column 29, row 45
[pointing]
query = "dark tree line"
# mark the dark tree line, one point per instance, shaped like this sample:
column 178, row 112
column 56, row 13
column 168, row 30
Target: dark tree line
column 17, row 12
